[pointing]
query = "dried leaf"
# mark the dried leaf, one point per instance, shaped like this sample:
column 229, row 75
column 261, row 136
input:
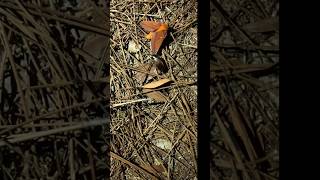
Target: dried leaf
column 150, row 26
column 157, row 39
column 156, row 84
column 142, row 72
column 158, row 32
column 155, row 95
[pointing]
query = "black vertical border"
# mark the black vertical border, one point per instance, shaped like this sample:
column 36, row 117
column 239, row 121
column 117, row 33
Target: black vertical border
column 203, row 89
column 108, row 116
column 299, row 90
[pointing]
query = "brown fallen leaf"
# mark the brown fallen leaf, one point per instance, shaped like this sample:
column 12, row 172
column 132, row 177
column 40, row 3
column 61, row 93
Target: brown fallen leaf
column 143, row 71
column 155, row 95
column 154, row 169
column 156, row 84
column 152, row 68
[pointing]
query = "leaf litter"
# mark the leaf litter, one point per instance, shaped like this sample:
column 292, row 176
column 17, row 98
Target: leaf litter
column 53, row 101
column 141, row 74
column 244, row 89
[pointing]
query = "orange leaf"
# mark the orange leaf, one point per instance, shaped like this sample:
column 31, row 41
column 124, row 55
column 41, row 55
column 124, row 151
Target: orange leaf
column 149, row 36
column 158, row 32
column 157, row 40
column 163, row 27
column 150, row 26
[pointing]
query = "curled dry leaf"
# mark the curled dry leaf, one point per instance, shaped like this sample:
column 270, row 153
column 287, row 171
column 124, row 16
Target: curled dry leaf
column 156, row 84
column 144, row 72
column 155, row 95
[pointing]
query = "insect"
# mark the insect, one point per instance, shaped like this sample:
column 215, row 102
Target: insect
column 157, row 33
